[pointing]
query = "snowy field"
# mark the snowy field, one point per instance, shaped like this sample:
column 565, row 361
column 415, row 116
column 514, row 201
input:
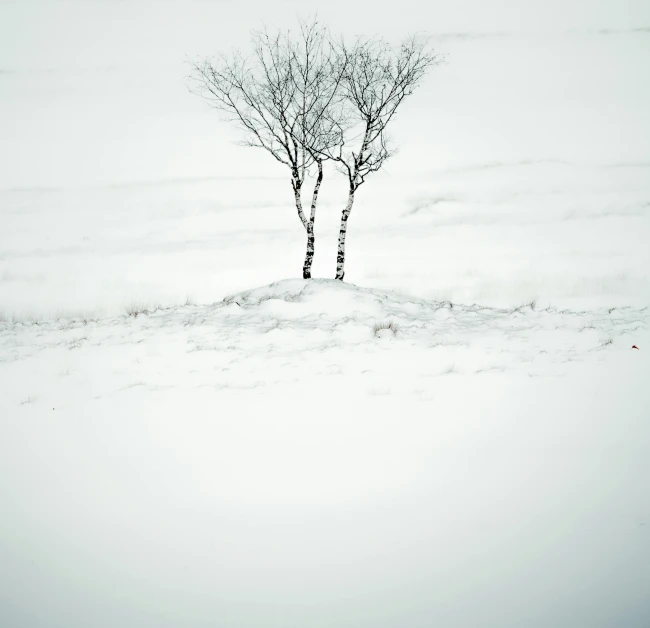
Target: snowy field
column 457, row 436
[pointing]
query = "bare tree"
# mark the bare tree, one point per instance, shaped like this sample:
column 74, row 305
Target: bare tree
column 287, row 101
column 376, row 80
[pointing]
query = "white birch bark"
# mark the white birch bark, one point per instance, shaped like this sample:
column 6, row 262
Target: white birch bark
column 309, row 255
column 296, row 184
column 340, row 258
column 355, row 181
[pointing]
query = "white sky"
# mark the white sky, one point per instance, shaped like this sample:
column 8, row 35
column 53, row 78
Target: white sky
column 93, row 92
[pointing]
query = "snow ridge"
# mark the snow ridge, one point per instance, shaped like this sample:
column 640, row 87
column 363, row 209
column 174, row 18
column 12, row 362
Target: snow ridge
column 252, row 331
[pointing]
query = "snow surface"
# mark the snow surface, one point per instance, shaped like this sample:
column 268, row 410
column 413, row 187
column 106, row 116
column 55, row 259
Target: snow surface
column 458, row 436
column 278, row 459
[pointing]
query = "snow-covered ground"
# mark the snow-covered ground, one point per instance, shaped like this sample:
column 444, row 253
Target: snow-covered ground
column 281, row 458
column 459, row 435
column 284, row 457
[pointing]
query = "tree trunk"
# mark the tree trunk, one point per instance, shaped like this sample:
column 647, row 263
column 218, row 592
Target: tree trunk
column 296, row 184
column 309, row 255
column 340, row 258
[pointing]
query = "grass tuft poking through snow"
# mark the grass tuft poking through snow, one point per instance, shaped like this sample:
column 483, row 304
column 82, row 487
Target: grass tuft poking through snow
column 136, row 309
column 385, row 326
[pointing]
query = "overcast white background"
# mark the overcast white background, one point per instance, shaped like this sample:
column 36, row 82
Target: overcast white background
column 93, row 92
column 271, row 460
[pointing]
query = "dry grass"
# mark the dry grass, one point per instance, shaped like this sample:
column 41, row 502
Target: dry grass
column 389, row 324
column 135, row 309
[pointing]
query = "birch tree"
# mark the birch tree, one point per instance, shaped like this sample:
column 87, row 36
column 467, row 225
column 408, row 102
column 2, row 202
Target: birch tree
column 376, row 80
column 287, row 100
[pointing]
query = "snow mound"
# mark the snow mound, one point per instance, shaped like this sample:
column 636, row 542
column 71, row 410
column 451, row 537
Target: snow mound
column 295, row 329
column 362, row 315
column 290, row 432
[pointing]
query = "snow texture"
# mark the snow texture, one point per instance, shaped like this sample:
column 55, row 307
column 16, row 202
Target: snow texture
column 457, row 436
column 315, row 453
